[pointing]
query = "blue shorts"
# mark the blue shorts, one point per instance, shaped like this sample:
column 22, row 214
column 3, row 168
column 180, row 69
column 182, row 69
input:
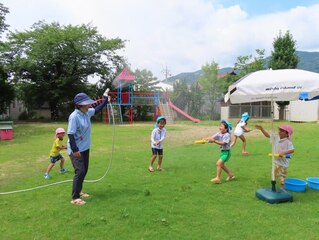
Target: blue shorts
column 56, row 158
column 156, row 151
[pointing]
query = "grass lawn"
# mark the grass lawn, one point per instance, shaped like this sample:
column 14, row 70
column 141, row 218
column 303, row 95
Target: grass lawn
column 179, row 203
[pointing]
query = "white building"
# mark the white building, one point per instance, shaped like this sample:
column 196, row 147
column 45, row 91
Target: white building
column 296, row 111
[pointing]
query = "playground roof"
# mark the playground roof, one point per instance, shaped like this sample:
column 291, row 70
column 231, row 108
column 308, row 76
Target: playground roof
column 125, row 75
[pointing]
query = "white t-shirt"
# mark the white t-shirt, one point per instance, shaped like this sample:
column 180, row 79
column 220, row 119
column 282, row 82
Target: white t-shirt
column 282, row 145
column 239, row 128
column 223, row 137
column 158, row 135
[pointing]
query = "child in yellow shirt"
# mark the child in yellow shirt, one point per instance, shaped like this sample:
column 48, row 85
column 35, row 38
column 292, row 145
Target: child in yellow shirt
column 55, row 155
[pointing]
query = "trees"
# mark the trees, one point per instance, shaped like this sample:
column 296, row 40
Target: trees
column 180, row 96
column 3, row 11
column 196, row 99
column 6, row 87
column 51, row 63
column 248, row 64
column 283, row 56
column 212, row 86
column 144, row 80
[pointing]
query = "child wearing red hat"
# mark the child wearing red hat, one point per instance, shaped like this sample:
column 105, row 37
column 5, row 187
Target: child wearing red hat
column 282, row 148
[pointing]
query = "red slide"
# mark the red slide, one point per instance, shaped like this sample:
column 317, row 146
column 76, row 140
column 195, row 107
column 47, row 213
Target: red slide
column 195, row 120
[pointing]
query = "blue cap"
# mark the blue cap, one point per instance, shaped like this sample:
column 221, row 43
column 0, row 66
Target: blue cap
column 83, row 99
column 244, row 117
column 304, row 96
column 230, row 127
column 160, row 118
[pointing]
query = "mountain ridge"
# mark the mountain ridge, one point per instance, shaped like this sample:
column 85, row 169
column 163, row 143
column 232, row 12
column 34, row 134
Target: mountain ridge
column 307, row 61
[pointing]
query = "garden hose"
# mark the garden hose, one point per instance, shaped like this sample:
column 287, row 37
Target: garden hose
column 70, row 180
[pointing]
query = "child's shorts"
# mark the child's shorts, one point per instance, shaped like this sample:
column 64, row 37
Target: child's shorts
column 280, row 172
column 56, row 158
column 224, row 155
column 156, row 151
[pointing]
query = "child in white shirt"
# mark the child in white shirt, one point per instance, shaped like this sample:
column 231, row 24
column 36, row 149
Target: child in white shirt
column 239, row 132
column 157, row 137
column 282, row 147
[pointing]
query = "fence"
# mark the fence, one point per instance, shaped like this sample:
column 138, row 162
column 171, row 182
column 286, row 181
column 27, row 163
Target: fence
column 255, row 110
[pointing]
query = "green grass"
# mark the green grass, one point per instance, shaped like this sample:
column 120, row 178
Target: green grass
column 131, row 203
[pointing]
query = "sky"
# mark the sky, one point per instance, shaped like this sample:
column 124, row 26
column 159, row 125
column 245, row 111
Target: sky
column 180, row 35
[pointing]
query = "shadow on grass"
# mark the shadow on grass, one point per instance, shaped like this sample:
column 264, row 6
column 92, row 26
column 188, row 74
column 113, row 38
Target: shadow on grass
column 111, row 193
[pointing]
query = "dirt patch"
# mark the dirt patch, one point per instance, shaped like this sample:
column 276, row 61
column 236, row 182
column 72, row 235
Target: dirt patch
column 189, row 134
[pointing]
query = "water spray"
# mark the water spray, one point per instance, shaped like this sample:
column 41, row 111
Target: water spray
column 70, row 180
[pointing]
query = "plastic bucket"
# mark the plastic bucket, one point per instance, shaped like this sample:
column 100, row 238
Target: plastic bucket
column 295, row 184
column 313, row 182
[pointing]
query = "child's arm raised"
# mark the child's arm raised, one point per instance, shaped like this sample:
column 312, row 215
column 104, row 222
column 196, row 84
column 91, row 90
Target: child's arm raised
column 266, row 134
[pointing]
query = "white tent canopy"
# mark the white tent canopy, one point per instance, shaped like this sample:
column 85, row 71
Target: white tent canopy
column 274, row 85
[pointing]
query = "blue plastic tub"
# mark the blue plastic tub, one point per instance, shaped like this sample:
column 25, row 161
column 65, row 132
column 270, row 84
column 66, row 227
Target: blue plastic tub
column 295, row 184
column 313, row 182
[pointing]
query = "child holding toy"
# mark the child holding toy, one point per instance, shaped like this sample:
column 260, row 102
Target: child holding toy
column 157, row 137
column 239, row 132
column 282, row 147
column 55, row 153
column 222, row 138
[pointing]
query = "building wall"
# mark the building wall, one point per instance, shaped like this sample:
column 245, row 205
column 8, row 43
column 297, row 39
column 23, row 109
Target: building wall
column 16, row 108
column 303, row 111
column 299, row 111
column 14, row 111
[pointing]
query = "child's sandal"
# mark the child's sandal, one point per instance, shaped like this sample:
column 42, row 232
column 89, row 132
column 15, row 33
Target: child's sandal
column 216, row 180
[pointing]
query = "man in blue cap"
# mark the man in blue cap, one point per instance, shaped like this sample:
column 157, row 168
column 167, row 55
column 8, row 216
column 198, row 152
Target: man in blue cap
column 79, row 133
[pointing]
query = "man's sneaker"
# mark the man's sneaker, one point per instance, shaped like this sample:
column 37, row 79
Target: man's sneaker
column 46, row 176
column 63, row 170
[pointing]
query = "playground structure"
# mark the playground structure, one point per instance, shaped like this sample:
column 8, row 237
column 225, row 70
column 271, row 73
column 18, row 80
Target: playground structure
column 125, row 99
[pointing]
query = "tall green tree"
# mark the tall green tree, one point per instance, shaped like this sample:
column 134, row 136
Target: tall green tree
column 180, row 95
column 144, row 80
column 248, row 64
column 283, row 56
column 51, row 63
column 6, row 86
column 3, row 12
column 196, row 100
column 212, row 86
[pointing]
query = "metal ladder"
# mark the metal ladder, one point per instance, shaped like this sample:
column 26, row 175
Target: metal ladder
column 167, row 112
